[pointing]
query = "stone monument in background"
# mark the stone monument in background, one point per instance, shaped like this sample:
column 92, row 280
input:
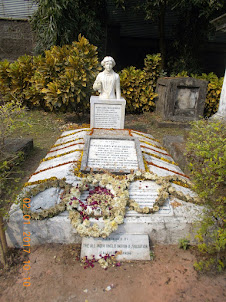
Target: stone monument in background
column 108, row 109
column 181, row 99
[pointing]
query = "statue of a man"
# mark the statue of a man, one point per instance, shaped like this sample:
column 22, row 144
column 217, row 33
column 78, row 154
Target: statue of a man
column 107, row 82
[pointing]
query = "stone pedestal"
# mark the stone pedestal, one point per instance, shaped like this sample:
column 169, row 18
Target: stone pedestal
column 181, row 99
column 108, row 114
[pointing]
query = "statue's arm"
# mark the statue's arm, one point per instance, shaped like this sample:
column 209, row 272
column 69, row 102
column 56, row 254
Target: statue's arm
column 117, row 88
column 97, row 84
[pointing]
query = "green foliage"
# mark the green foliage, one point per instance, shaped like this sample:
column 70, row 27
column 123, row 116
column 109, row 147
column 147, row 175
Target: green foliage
column 60, row 80
column 66, row 75
column 11, row 117
column 15, row 78
column 213, row 93
column 206, row 153
column 152, row 255
column 213, row 90
column 138, row 85
column 59, row 22
column 9, row 172
column 184, row 243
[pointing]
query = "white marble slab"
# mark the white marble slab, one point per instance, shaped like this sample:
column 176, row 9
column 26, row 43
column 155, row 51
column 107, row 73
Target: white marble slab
column 112, row 154
column 133, row 246
column 145, row 193
column 107, row 113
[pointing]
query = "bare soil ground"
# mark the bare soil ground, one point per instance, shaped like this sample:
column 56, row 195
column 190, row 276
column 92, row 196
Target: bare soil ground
column 56, row 275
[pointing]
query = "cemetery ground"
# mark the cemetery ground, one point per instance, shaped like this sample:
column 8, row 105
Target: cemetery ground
column 56, row 272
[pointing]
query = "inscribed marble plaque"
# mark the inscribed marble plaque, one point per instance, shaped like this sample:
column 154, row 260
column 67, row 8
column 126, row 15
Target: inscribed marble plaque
column 115, row 155
column 145, row 193
column 107, row 113
column 107, row 116
column 133, row 246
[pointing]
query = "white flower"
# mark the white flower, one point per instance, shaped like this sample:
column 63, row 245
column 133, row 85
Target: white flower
column 138, row 173
column 119, row 219
column 86, row 223
column 155, row 208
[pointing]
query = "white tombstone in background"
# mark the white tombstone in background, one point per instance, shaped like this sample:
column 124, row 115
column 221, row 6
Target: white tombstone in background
column 108, row 109
column 221, row 112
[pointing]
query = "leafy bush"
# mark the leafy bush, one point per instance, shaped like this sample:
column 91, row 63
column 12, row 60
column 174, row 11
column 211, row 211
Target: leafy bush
column 206, row 153
column 15, row 78
column 138, row 85
column 213, row 90
column 184, row 244
column 11, row 117
column 61, row 80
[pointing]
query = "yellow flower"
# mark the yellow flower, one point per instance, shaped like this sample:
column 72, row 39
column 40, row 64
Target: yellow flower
column 155, row 208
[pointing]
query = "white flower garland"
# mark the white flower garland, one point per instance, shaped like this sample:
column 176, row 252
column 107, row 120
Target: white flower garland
column 110, row 208
column 116, row 200
column 106, row 202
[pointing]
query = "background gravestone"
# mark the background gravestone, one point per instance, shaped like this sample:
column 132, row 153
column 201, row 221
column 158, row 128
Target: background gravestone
column 181, row 99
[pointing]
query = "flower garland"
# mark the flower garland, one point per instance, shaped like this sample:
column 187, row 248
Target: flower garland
column 159, row 157
column 112, row 129
column 64, row 143
column 33, row 191
column 165, row 191
column 73, row 133
column 37, row 182
column 77, row 171
column 111, row 207
column 107, row 200
column 154, row 150
column 52, row 167
column 152, row 164
column 59, row 155
column 65, row 147
column 153, row 145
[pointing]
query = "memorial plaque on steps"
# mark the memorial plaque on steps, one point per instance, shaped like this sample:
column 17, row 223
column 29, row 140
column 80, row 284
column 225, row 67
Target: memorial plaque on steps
column 132, row 246
column 116, row 154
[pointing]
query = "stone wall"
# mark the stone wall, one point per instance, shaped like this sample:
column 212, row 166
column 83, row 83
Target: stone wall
column 15, row 39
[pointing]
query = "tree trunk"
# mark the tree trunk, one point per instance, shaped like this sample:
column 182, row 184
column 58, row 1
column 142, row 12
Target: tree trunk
column 2, row 236
column 3, row 256
column 162, row 41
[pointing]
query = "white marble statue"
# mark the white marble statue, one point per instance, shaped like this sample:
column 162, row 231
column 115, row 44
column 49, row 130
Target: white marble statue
column 107, row 82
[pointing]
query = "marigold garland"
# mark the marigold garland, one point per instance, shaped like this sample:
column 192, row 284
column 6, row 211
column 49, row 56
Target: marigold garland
column 152, row 164
column 27, row 184
column 155, row 150
column 65, row 147
column 73, row 133
column 59, row 155
column 112, row 129
column 52, row 167
column 64, row 143
column 159, row 157
column 159, row 147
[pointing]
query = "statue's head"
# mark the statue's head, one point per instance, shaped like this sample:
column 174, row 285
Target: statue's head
column 108, row 60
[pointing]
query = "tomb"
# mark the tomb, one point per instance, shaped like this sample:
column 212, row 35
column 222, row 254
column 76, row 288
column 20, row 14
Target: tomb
column 109, row 189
